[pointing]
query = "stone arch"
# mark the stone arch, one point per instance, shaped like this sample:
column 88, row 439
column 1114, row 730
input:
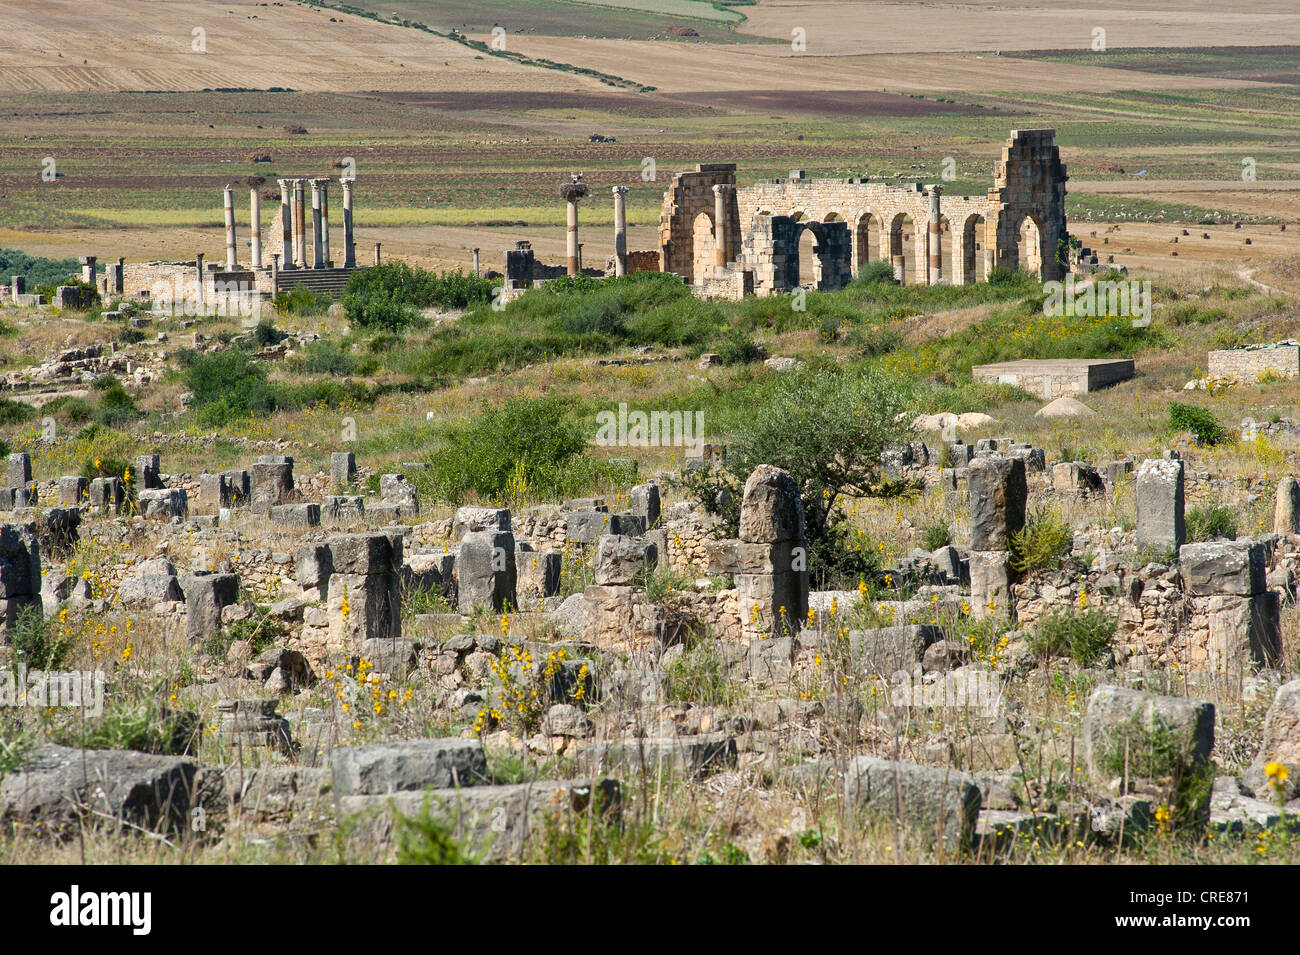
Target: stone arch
column 863, row 228
column 972, row 255
column 702, row 246
column 831, row 217
column 823, row 253
column 806, row 248
column 901, row 227
column 1030, row 254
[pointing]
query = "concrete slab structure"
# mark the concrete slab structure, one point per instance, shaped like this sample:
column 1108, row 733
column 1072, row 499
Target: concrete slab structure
column 1054, row 377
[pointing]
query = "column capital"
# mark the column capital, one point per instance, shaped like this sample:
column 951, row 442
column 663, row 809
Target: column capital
column 619, row 190
column 721, row 189
column 935, row 189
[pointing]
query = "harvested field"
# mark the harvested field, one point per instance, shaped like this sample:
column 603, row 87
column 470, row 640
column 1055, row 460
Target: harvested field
column 55, row 46
column 676, row 68
column 821, row 103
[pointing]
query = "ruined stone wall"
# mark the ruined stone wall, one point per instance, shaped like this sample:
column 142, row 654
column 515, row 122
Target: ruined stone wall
column 689, row 195
column 642, row 261
column 181, row 281
column 1250, row 363
column 1029, row 183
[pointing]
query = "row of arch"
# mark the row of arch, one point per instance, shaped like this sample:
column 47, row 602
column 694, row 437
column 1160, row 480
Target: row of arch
column 901, row 236
column 901, row 240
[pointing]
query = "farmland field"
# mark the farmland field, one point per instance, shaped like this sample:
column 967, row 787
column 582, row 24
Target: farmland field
column 861, row 432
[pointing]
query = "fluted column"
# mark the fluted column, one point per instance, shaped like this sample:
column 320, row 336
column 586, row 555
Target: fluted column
column 255, row 225
column 620, row 230
column 286, row 224
column 936, row 236
column 325, row 222
column 300, row 223
column 230, row 228
column 720, row 226
column 317, row 258
column 349, row 245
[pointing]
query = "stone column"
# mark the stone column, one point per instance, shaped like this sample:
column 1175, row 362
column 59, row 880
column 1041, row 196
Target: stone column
column 275, row 271
column 990, row 248
column 231, row 263
column 377, row 245
column 1159, row 504
column 998, row 495
column 476, row 268
column 349, row 247
column 255, row 225
column 620, row 230
column 317, row 253
column 720, row 226
column 300, row 223
column 571, row 227
column 88, row 269
column 325, row 223
column 770, row 558
column 198, row 264
column 286, row 223
column 1286, row 516
column 936, row 236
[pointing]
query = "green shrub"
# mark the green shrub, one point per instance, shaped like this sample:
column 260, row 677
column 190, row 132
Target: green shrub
column 109, row 467
column 877, row 272
column 937, row 534
column 259, row 629
column 38, row 641
column 137, row 722
column 300, row 301
column 1199, row 421
column 15, row 412
column 1001, row 275
column 116, row 407
column 827, row 427
column 1208, row 523
column 874, row 341
column 389, row 296
column 596, row 315
column 429, row 839
column 74, row 410
column 675, row 323
column 1042, row 542
column 265, row 333
column 517, row 447
column 38, row 271
column 737, row 348
column 227, row 385
column 328, row 358
column 1085, row 638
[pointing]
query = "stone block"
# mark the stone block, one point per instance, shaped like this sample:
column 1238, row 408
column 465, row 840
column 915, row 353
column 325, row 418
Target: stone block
column 1160, row 517
column 486, row 571
column 998, row 494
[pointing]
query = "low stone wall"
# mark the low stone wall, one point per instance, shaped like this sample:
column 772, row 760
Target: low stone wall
column 1253, row 362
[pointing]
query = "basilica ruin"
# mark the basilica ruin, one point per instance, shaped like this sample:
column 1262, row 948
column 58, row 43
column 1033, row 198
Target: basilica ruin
column 730, row 241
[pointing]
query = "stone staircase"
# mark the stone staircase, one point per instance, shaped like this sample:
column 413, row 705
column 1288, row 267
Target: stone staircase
column 329, row 282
